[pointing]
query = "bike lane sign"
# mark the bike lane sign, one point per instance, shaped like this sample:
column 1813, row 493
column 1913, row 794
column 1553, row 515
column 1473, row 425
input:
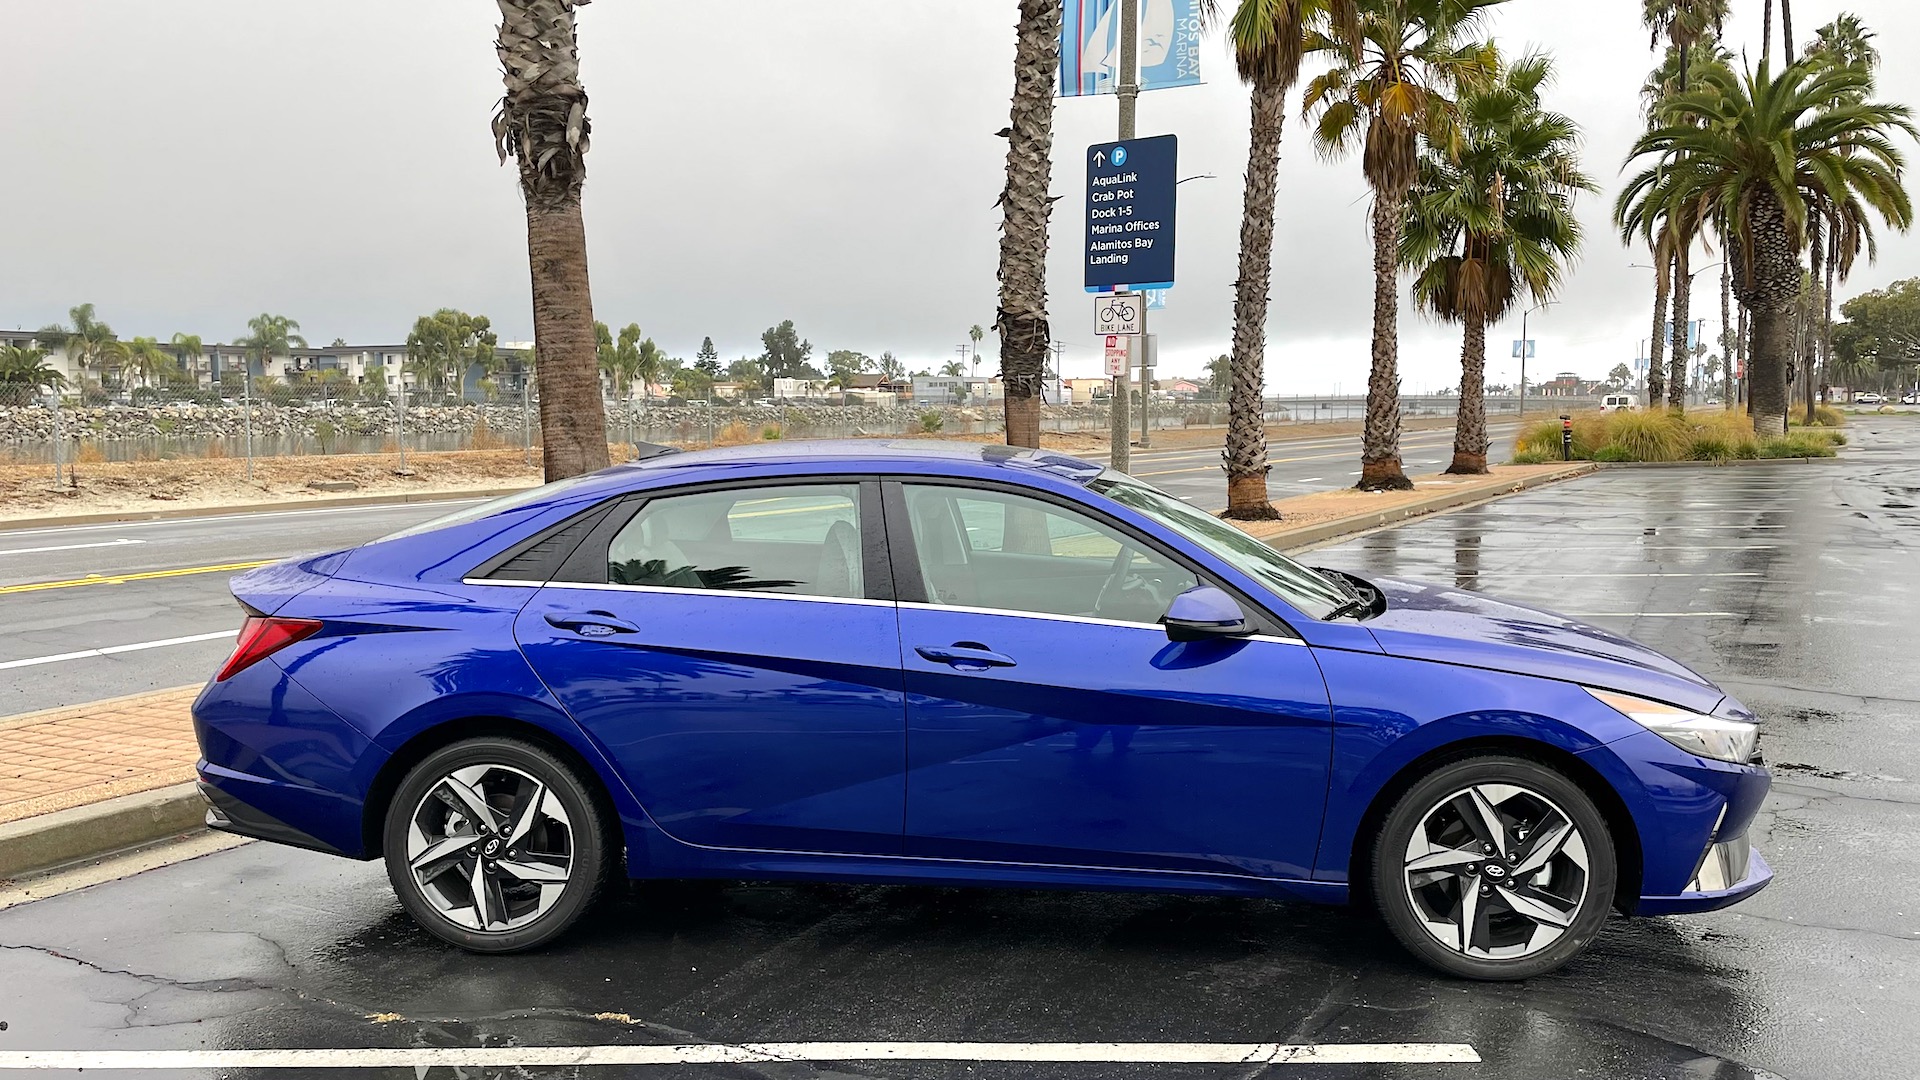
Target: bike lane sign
column 1123, row 314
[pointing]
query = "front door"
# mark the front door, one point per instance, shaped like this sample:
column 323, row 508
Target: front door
column 1051, row 721
column 737, row 656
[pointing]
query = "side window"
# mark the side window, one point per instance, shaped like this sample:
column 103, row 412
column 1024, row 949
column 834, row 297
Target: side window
column 802, row 540
column 1008, row 552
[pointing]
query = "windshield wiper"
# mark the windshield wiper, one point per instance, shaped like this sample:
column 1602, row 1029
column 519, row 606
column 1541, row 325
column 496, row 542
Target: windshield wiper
column 1355, row 606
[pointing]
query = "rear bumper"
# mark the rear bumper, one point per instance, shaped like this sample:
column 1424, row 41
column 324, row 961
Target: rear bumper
column 1730, row 872
column 227, row 813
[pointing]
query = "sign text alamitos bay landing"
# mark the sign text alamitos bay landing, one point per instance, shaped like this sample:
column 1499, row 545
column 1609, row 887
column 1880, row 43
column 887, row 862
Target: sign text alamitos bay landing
column 1130, row 213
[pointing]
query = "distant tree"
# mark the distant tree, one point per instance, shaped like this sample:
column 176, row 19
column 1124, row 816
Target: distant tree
column 708, row 354
column 269, row 336
column 338, row 343
column 89, row 342
column 891, row 369
column 1220, row 376
column 954, row 369
column 148, row 362
column 708, row 365
column 748, row 371
column 975, row 334
column 1620, row 377
column 26, row 366
column 443, row 345
column 785, row 355
column 1881, row 334
column 649, row 364
column 844, row 364
column 188, row 348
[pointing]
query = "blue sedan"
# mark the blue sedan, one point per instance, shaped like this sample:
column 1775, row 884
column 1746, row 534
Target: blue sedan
column 950, row 664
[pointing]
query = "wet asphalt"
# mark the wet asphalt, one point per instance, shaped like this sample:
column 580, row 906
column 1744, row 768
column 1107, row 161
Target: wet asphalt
column 1794, row 585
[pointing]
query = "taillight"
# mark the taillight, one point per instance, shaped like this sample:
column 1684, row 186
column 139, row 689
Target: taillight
column 260, row 637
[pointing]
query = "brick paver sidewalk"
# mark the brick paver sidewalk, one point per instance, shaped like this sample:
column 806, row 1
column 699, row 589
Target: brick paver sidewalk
column 83, row 754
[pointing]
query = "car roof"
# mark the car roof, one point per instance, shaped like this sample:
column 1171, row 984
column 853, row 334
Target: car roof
column 911, row 456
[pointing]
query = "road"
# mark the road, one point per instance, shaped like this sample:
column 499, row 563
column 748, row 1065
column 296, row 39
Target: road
column 1793, row 585
column 160, row 586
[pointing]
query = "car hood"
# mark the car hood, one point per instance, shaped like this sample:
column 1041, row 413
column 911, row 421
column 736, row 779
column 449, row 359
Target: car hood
column 1425, row 621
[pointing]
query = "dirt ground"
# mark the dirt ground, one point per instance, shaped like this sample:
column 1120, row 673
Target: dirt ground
column 124, row 487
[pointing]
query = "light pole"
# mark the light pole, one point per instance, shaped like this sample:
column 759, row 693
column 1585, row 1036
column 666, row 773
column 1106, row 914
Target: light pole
column 1526, row 346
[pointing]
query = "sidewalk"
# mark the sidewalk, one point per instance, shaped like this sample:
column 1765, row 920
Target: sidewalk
column 86, row 780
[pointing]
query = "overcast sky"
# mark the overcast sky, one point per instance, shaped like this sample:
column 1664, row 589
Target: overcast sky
column 186, row 165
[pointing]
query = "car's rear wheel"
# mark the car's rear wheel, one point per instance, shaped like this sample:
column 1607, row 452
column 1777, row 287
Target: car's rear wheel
column 1494, row 868
column 495, row 845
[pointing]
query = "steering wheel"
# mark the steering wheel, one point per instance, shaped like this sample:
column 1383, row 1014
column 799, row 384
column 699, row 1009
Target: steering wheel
column 1122, row 590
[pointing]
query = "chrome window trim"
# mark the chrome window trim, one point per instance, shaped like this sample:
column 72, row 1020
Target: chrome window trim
column 669, row 590
column 1086, row 620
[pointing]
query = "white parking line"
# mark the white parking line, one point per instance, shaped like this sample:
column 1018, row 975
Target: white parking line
column 138, row 646
column 1311, row 480
column 724, row 1054
column 73, row 547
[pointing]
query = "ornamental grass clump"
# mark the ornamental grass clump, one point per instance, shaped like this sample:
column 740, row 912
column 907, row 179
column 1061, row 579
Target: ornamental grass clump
column 1648, row 436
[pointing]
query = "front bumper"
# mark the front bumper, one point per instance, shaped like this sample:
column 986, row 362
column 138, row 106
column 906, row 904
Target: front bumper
column 1730, row 872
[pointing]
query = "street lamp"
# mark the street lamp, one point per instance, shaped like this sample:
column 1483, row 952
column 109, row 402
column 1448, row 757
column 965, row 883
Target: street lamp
column 1526, row 346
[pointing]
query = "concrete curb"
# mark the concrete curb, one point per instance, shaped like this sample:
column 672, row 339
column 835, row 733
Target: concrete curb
column 1307, row 536
column 1715, row 464
column 117, row 517
column 98, row 829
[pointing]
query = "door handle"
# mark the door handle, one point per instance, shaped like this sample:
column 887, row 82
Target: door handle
column 591, row 623
column 966, row 654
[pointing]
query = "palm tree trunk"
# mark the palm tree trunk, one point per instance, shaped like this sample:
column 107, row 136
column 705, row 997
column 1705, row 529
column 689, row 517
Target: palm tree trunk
column 1380, row 467
column 1025, row 334
column 1246, row 457
column 1766, row 33
column 1786, row 28
column 1826, row 320
column 1470, row 430
column 1772, row 353
column 1656, row 361
column 1810, row 343
column 1743, row 353
column 573, row 419
column 1682, row 324
column 1727, row 395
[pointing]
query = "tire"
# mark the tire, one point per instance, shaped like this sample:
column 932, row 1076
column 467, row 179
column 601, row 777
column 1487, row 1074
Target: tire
column 539, row 871
column 1517, row 905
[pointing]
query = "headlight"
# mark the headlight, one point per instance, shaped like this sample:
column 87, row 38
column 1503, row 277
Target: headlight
column 1707, row 736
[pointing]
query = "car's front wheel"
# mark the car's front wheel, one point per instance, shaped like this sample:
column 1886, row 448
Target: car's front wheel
column 1494, row 867
column 495, row 845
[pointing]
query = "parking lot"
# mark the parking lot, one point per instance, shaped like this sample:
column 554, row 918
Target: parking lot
column 1794, row 585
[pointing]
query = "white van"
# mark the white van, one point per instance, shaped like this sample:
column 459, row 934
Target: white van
column 1617, row 403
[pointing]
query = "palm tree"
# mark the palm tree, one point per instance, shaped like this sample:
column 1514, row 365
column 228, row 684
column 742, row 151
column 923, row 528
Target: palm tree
column 24, row 371
column 148, row 361
column 1767, row 153
column 649, row 364
column 976, row 333
column 88, row 342
column 1388, row 88
column 188, row 348
column 1269, row 40
column 1492, row 224
column 1845, row 43
column 954, row 369
column 542, row 122
column 1025, row 334
column 1684, row 24
column 269, row 336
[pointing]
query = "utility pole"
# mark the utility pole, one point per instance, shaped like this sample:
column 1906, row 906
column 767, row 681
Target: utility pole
column 972, row 364
column 1129, row 92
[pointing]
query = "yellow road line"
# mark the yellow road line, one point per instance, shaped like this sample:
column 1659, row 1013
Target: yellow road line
column 121, row 579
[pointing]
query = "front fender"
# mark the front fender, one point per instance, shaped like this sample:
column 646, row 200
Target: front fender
column 1390, row 712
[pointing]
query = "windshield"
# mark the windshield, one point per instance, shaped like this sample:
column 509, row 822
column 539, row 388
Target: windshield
column 1309, row 593
column 490, row 507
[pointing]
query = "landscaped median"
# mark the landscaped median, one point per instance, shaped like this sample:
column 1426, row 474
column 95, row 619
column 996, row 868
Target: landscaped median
column 86, row 781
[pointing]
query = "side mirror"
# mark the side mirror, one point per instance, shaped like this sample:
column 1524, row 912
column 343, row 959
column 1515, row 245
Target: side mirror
column 1204, row 613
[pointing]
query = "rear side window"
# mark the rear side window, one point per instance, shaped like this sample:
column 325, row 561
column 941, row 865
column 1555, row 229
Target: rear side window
column 802, row 540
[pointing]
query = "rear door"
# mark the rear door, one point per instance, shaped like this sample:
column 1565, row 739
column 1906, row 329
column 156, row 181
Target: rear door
column 735, row 650
column 1051, row 721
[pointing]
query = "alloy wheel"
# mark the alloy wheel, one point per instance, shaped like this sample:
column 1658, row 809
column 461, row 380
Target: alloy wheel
column 490, row 847
column 1496, row 871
